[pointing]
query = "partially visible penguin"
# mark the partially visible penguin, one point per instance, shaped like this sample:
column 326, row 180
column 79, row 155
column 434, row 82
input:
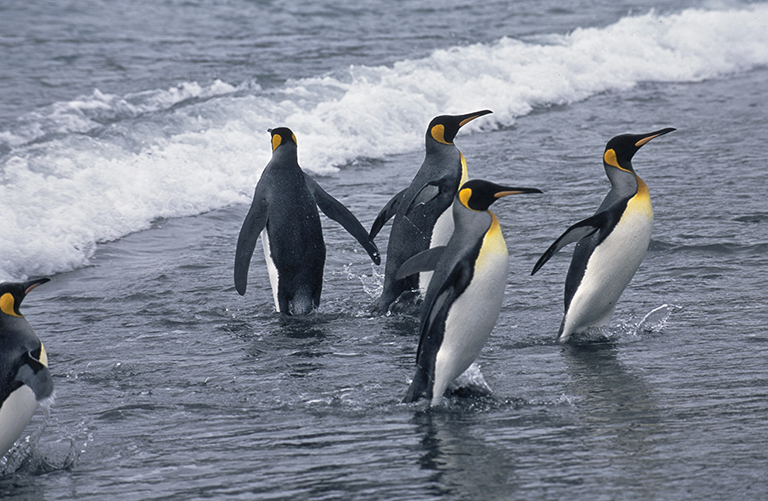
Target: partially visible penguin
column 284, row 212
column 24, row 375
column 611, row 243
column 464, row 297
column 422, row 210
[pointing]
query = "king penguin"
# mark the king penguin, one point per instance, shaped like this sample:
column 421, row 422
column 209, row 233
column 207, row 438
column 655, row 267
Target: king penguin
column 284, row 212
column 464, row 297
column 24, row 375
column 422, row 210
column 611, row 244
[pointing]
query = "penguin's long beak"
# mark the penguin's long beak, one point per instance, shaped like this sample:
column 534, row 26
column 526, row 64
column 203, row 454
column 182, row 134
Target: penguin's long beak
column 465, row 119
column 28, row 286
column 506, row 191
column 653, row 135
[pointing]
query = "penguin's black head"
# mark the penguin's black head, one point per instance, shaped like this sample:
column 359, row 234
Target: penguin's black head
column 478, row 195
column 444, row 128
column 13, row 293
column 620, row 149
column 281, row 135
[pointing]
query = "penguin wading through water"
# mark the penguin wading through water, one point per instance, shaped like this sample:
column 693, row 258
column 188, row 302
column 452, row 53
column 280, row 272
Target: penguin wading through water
column 611, row 243
column 284, row 212
column 464, row 297
column 24, row 375
column 422, row 211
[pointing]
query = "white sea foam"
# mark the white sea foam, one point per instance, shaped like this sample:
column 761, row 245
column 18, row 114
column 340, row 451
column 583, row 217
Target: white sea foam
column 102, row 166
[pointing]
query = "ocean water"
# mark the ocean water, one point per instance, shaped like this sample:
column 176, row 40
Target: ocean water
column 131, row 137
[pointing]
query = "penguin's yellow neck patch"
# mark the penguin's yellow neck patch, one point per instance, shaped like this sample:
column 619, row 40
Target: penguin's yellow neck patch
column 438, row 134
column 7, row 304
column 464, row 171
column 493, row 242
column 43, row 355
column 641, row 202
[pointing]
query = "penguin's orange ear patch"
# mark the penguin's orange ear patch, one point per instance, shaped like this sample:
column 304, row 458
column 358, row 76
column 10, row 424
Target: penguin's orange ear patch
column 464, row 196
column 276, row 140
column 610, row 158
column 438, row 133
column 8, row 304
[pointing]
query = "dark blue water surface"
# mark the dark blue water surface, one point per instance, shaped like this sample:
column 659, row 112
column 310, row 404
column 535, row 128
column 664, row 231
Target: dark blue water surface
column 169, row 385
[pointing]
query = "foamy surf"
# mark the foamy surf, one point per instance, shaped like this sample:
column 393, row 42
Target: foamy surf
column 99, row 167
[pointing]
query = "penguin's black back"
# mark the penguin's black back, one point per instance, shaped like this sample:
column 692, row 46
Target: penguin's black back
column 295, row 236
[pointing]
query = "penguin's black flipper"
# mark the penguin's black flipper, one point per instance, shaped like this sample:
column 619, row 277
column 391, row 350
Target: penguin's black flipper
column 418, row 387
column 35, row 375
column 428, row 192
column 575, row 233
column 423, row 261
column 436, row 309
column 253, row 225
column 437, row 306
column 386, row 213
column 339, row 213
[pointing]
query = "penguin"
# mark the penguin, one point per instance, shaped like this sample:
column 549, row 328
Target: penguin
column 611, row 243
column 24, row 375
column 422, row 211
column 284, row 212
column 464, row 297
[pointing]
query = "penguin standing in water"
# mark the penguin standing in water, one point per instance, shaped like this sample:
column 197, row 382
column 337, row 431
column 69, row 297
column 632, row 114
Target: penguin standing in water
column 24, row 375
column 611, row 243
column 464, row 297
column 422, row 211
column 284, row 212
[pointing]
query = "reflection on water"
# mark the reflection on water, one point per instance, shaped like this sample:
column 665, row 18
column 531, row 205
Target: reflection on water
column 465, row 466
column 617, row 413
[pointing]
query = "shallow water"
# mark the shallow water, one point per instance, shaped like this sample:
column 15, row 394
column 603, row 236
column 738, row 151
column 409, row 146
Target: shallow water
column 169, row 385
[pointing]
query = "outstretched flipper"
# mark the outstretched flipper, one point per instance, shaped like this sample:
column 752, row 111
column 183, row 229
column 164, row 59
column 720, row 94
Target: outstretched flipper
column 575, row 233
column 339, row 213
column 423, row 261
column 35, row 375
column 386, row 213
column 253, row 225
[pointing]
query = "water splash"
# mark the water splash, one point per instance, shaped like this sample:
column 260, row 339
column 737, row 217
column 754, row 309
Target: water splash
column 655, row 320
column 471, row 381
column 652, row 322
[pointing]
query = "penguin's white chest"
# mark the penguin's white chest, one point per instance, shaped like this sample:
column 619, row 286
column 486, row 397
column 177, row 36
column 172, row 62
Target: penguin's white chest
column 271, row 268
column 472, row 316
column 15, row 414
column 609, row 269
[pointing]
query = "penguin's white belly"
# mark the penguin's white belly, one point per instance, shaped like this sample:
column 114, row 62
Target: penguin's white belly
column 441, row 233
column 470, row 320
column 271, row 268
column 609, row 269
column 15, row 414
